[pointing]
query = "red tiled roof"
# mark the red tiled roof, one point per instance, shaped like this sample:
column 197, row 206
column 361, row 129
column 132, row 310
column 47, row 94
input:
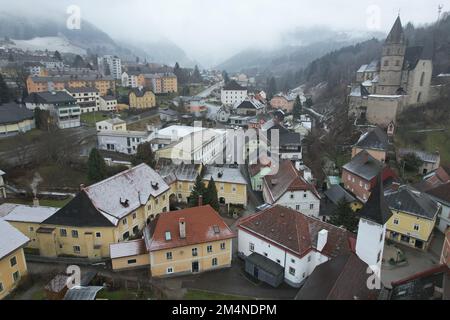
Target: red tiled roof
column 287, row 179
column 295, row 231
column 200, row 223
column 441, row 192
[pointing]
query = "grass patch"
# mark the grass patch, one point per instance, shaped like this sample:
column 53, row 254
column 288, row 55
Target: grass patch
column 91, row 118
column 39, row 295
column 42, row 202
column 9, row 143
column 205, row 295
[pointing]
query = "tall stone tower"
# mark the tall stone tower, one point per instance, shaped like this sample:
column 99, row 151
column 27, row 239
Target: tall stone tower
column 392, row 59
column 372, row 228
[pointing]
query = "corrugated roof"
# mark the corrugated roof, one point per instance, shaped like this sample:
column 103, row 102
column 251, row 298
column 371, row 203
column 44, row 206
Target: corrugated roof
column 127, row 249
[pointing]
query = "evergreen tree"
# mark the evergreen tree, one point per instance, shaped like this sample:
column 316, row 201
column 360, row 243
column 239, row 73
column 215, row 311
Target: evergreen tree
column 196, row 76
column 5, row 94
column 297, row 110
column 57, row 56
column 78, row 62
column 198, row 190
column 211, row 196
column 144, row 154
column 308, row 103
column 225, row 77
column 271, row 87
column 96, row 167
column 344, row 216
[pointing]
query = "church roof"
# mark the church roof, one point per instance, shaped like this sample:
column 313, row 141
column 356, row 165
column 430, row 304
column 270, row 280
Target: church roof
column 397, row 35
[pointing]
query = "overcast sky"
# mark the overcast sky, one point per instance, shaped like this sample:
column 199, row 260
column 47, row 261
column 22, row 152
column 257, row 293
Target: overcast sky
column 219, row 28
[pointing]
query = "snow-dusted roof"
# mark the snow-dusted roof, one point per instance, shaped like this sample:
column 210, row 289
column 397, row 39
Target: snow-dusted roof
column 127, row 191
column 22, row 213
column 227, row 175
column 127, row 249
column 11, row 239
column 177, row 131
column 2, row 172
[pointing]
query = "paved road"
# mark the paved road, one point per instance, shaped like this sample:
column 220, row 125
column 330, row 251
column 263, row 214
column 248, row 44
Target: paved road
column 207, row 92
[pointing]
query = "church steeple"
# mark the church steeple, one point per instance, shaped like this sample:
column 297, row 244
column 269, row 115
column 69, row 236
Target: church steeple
column 397, row 34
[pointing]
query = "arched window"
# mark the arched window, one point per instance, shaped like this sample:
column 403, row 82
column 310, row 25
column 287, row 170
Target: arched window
column 422, row 78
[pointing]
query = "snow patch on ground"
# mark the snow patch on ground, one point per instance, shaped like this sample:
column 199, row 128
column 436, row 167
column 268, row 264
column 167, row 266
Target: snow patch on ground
column 60, row 44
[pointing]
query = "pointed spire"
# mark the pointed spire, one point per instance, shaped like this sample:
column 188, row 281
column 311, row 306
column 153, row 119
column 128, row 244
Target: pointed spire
column 397, row 35
column 376, row 208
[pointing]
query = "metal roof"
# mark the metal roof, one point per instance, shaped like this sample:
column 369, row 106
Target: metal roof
column 11, row 239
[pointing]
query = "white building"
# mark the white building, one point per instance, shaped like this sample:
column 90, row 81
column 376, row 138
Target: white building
column 114, row 64
column 130, row 80
column 288, row 188
column 233, row 94
column 288, row 244
column 63, row 108
column 112, row 135
column 87, row 98
column 108, row 103
column 441, row 194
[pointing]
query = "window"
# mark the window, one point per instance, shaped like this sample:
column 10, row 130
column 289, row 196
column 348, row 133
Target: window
column 416, row 227
column 74, row 234
column 304, row 275
column 76, row 249
column 291, row 271
column 292, row 196
column 169, row 270
column 135, row 229
column 265, row 254
column 305, row 195
column 132, row 261
column 381, row 237
column 396, row 221
column 13, row 261
column 194, row 252
column 311, row 206
column 209, row 249
column 297, row 207
column 31, row 229
column 98, row 235
column 222, row 246
column 214, row 262
column 251, row 247
column 422, row 78
column 278, row 261
column 124, row 221
column 126, row 235
column 379, row 257
column 292, row 260
column 63, row 232
column 134, row 216
column 16, row 276
column 169, row 256
column 1, row 287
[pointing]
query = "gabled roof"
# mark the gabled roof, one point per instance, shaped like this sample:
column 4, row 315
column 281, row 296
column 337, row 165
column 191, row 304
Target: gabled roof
column 182, row 172
column 441, row 192
column 411, row 201
column 14, row 113
column 336, row 193
column 249, row 104
column 295, row 231
column 342, row 278
column 134, row 186
column 83, row 90
column 422, row 155
column 375, row 139
column 203, row 224
column 11, row 239
column 140, row 92
column 227, row 175
column 233, row 86
column 364, row 165
column 50, row 97
column 80, row 212
column 376, row 208
column 396, row 35
column 22, row 213
column 286, row 179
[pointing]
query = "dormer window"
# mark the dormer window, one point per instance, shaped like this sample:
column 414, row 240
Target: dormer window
column 125, row 203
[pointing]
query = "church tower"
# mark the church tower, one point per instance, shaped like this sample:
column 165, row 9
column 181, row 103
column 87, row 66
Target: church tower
column 392, row 60
column 372, row 228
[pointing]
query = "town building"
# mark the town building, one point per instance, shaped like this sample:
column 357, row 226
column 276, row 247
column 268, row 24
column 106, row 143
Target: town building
column 2, row 184
column 287, row 144
column 333, row 196
column 15, row 119
column 257, row 172
column 360, row 174
column 414, row 217
column 108, row 103
column 188, row 241
column 441, row 194
column 434, row 179
column 141, row 98
column 104, row 84
column 232, row 94
column 402, row 78
column 112, row 135
column 131, row 79
column 35, row 69
column 168, row 115
column 161, row 82
column 283, row 102
column 249, row 107
column 430, row 161
column 111, row 211
column 129, row 255
column 375, row 142
column 287, row 187
column 280, row 244
column 230, row 183
column 110, row 65
column 12, row 258
column 62, row 107
column 87, row 98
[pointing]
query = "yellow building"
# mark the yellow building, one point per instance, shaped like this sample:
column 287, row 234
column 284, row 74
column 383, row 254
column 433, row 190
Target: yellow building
column 230, row 183
column 12, row 259
column 111, row 211
column 188, row 241
column 15, row 119
column 142, row 99
column 414, row 217
column 161, row 82
column 129, row 255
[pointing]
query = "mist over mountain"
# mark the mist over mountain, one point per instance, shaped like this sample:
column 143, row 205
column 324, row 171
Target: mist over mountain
column 301, row 46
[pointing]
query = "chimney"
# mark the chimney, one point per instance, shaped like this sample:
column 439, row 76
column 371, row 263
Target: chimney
column 182, row 226
column 322, row 239
column 200, row 200
column 395, row 186
column 35, row 202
